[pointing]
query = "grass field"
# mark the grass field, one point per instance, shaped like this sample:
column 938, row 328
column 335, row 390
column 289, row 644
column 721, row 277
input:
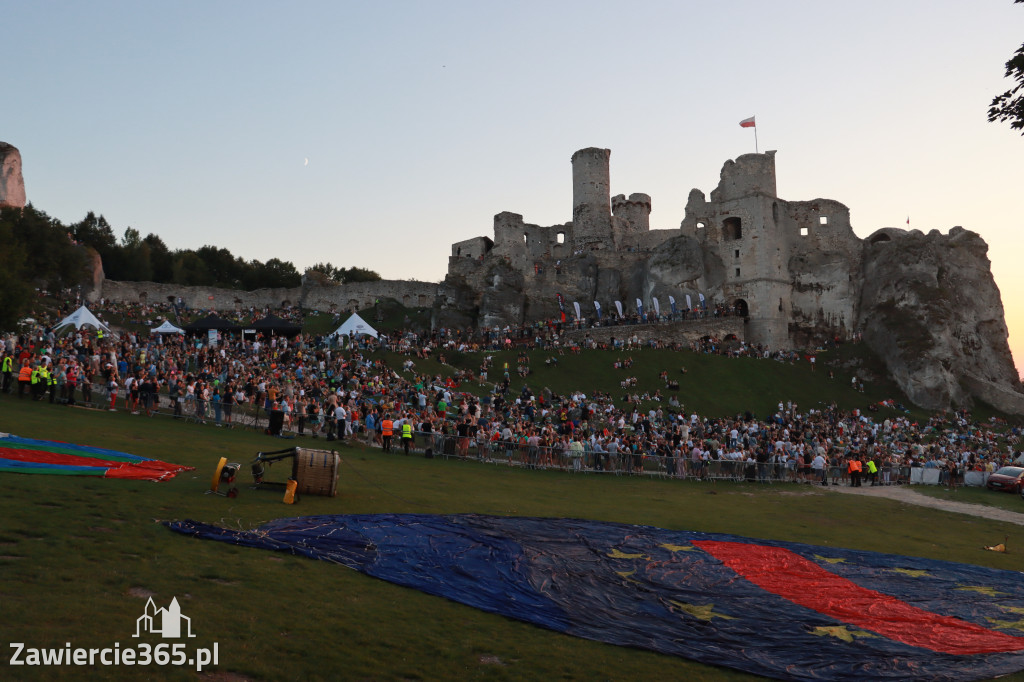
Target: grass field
column 80, row 556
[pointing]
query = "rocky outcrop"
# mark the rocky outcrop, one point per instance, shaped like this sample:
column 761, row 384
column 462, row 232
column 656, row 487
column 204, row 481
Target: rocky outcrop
column 12, row 184
column 932, row 311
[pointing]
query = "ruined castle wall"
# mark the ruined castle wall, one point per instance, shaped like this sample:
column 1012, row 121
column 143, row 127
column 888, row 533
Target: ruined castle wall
column 315, row 297
column 825, row 264
column 477, row 247
column 748, row 174
column 820, row 225
column 685, row 332
column 646, row 241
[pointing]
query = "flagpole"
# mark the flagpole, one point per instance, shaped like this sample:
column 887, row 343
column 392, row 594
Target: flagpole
column 755, row 139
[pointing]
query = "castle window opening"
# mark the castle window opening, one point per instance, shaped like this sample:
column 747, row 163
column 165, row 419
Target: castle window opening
column 775, row 212
column 700, row 226
column 804, row 231
column 458, row 251
column 742, row 310
column 737, row 272
column 526, row 238
column 732, row 228
column 736, row 253
column 823, row 220
column 560, row 238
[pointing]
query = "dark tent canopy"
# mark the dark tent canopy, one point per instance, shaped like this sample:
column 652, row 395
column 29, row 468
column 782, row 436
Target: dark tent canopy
column 209, row 322
column 274, row 324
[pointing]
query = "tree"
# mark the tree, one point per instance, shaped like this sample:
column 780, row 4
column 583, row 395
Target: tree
column 354, row 274
column 15, row 293
column 328, row 271
column 1009, row 106
column 161, row 258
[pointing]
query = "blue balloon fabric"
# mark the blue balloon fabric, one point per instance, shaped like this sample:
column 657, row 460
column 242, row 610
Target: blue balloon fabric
column 778, row 609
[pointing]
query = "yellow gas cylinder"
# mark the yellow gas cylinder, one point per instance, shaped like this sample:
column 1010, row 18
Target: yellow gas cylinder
column 289, row 491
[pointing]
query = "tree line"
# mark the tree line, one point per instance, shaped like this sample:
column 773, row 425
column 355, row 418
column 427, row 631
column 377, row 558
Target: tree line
column 38, row 251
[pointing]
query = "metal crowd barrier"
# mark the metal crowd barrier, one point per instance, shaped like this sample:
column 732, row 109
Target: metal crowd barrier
column 516, row 454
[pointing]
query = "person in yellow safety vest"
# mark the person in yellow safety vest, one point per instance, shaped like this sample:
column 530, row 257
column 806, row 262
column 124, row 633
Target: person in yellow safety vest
column 99, row 335
column 872, row 472
column 38, row 381
column 51, row 381
column 387, row 428
column 407, row 434
column 24, row 379
column 7, row 368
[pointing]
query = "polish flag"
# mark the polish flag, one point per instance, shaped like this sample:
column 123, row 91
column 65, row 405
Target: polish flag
column 748, row 123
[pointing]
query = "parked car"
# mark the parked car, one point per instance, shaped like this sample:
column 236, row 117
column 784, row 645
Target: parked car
column 1007, row 479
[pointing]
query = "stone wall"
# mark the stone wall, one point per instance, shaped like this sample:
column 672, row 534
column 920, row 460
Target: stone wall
column 684, row 332
column 312, row 296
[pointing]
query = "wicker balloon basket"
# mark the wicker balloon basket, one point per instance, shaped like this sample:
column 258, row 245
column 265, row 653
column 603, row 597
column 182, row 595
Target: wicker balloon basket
column 316, row 472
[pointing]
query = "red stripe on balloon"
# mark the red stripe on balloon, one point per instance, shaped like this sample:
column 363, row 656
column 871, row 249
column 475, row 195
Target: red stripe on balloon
column 807, row 584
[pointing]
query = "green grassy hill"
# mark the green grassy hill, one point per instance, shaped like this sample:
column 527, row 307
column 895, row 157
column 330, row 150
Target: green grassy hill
column 81, row 556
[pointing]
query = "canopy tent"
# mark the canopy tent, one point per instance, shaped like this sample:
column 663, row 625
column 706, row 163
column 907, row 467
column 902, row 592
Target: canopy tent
column 274, row 324
column 167, row 328
column 355, row 325
column 80, row 318
column 211, row 321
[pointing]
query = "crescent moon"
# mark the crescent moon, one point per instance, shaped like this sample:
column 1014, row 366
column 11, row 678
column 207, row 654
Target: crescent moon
column 306, row 162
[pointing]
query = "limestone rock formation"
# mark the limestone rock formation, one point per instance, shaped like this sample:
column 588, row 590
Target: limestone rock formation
column 932, row 311
column 12, row 184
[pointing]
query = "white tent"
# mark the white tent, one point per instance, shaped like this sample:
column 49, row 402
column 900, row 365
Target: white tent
column 355, row 325
column 167, row 328
column 81, row 318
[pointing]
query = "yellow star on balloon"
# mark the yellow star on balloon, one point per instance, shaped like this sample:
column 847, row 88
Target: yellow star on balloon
column 840, row 632
column 912, row 572
column 616, row 554
column 983, row 589
column 830, row 560
column 679, row 548
column 628, row 576
column 702, row 612
column 1007, row 624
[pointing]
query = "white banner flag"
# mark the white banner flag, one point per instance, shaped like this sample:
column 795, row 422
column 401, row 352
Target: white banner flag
column 576, row 307
column 657, row 308
column 618, row 308
column 689, row 303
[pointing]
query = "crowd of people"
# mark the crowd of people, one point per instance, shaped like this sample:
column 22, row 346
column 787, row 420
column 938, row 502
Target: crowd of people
column 325, row 387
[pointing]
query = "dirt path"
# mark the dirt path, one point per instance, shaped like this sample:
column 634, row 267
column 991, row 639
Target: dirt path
column 902, row 493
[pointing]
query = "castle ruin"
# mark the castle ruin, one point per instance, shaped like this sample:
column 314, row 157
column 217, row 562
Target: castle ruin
column 793, row 270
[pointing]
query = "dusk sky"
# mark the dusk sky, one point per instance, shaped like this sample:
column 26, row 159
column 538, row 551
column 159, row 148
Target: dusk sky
column 422, row 120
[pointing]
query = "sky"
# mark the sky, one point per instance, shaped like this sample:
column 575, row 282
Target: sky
column 376, row 134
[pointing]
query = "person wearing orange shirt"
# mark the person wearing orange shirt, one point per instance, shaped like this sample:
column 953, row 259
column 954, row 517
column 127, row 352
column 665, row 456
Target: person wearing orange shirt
column 387, row 428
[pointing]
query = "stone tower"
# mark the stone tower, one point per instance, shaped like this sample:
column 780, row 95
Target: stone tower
column 632, row 217
column 591, row 203
column 12, row 184
column 748, row 229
